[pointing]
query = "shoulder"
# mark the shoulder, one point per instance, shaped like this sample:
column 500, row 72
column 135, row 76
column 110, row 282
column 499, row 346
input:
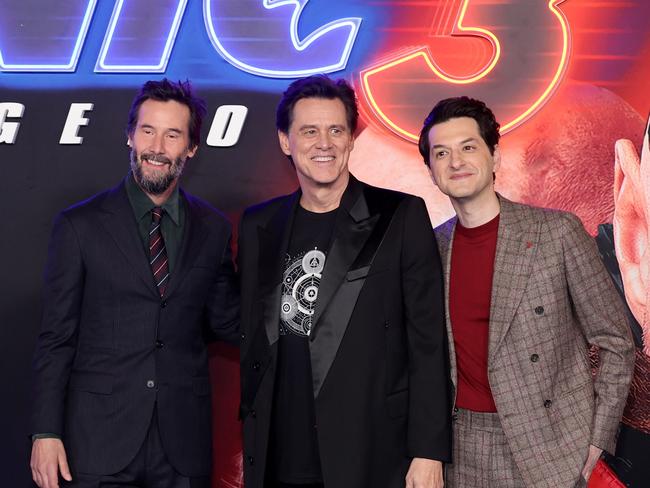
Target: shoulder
column 381, row 199
column 205, row 211
column 90, row 206
column 445, row 230
column 261, row 211
column 550, row 218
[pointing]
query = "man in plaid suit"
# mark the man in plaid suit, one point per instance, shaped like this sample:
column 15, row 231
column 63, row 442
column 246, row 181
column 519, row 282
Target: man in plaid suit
column 526, row 295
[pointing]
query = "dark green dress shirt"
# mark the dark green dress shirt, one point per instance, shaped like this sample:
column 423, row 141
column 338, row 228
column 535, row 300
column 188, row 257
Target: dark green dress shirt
column 172, row 222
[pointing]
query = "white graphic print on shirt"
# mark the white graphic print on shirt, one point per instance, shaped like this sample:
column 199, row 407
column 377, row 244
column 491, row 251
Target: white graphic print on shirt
column 301, row 280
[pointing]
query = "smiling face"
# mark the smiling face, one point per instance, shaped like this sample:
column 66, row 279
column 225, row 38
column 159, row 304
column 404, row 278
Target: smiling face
column 160, row 145
column 319, row 142
column 460, row 161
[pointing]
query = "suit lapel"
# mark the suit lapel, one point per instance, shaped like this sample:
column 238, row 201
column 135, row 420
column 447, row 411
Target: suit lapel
column 194, row 235
column 445, row 238
column 336, row 296
column 119, row 222
column 517, row 242
column 273, row 243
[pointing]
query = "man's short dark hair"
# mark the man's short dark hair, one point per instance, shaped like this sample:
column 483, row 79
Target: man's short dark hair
column 163, row 91
column 317, row 86
column 452, row 108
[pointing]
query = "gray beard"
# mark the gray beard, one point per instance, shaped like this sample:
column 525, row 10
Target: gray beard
column 155, row 185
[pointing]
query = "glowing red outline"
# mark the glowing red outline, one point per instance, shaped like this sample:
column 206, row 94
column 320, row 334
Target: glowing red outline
column 426, row 55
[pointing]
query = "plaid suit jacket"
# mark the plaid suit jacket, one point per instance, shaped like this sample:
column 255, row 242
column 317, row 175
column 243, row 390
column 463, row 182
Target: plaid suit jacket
column 551, row 298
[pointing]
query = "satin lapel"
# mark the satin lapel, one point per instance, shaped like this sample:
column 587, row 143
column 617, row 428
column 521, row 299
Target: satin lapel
column 119, row 222
column 336, row 295
column 273, row 243
column 445, row 237
column 194, row 236
column 517, row 242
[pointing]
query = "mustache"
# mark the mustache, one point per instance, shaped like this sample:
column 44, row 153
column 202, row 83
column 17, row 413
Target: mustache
column 157, row 158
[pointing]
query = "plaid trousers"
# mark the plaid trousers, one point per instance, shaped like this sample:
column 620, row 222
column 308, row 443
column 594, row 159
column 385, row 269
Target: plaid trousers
column 481, row 455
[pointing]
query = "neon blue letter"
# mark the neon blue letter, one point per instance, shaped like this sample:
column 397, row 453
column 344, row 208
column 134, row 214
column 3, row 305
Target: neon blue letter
column 140, row 36
column 261, row 37
column 43, row 36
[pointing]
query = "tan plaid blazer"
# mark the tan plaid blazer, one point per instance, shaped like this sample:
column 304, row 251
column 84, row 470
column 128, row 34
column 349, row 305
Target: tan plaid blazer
column 551, row 297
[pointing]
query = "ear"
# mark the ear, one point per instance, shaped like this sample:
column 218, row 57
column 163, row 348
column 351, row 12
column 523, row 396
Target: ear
column 496, row 157
column 192, row 152
column 283, row 137
column 128, row 142
column 631, row 228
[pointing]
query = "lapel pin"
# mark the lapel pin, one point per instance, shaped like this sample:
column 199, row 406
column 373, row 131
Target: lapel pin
column 529, row 244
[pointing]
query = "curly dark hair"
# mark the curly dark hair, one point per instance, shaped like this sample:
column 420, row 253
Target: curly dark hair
column 451, row 108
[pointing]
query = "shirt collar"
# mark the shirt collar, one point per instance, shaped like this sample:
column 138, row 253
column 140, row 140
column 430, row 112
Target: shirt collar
column 142, row 204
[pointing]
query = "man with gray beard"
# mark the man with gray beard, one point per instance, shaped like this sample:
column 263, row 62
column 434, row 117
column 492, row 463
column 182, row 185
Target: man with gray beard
column 134, row 277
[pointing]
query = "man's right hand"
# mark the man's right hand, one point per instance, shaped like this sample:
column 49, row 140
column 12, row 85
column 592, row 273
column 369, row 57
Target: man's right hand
column 48, row 458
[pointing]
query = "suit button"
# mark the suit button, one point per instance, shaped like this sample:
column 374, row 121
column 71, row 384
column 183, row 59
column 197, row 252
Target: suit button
column 253, row 414
column 243, row 336
column 386, row 324
column 547, row 403
column 160, row 344
column 539, row 310
column 534, row 358
column 256, row 365
column 251, row 460
column 163, row 304
column 151, row 384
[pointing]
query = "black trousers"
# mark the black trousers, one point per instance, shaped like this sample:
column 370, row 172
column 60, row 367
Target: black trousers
column 149, row 469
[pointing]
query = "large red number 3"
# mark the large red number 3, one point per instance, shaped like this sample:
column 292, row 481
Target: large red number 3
column 513, row 62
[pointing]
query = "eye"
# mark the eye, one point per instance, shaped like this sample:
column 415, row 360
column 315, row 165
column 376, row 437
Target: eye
column 309, row 132
column 336, row 131
column 147, row 131
column 440, row 154
column 469, row 147
column 173, row 135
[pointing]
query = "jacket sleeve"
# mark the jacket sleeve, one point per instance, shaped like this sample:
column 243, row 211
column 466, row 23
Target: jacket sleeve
column 602, row 318
column 57, row 341
column 429, row 421
column 223, row 302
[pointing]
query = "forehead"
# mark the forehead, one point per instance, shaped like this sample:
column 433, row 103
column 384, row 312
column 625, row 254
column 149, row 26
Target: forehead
column 168, row 114
column 454, row 130
column 319, row 111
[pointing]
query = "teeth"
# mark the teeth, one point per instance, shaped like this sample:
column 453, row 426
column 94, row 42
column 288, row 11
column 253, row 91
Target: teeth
column 322, row 159
column 155, row 163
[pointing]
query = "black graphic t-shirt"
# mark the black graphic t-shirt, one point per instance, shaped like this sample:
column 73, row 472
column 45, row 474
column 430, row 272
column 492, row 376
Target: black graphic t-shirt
column 294, row 447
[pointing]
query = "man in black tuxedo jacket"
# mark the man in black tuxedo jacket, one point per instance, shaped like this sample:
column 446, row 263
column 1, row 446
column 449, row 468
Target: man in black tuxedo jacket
column 135, row 278
column 344, row 362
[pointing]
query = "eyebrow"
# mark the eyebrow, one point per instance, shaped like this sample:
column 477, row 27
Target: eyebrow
column 314, row 126
column 171, row 129
column 464, row 141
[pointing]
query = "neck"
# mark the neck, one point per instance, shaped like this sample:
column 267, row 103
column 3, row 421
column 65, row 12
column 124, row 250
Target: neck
column 323, row 198
column 478, row 210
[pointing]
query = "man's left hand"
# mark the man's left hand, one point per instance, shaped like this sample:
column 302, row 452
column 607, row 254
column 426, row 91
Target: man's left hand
column 424, row 473
column 594, row 454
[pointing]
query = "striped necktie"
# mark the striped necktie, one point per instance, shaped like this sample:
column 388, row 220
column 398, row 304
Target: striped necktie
column 158, row 254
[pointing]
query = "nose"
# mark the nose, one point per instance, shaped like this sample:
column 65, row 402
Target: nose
column 324, row 141
column 455, row 159
column 158, row 144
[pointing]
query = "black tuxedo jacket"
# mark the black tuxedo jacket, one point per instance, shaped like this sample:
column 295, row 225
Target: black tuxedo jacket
column 111, row 350
column 377, row 345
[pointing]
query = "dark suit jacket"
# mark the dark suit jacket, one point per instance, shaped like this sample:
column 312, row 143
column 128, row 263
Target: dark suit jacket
column 111, row 350
column 377, row 346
